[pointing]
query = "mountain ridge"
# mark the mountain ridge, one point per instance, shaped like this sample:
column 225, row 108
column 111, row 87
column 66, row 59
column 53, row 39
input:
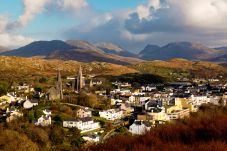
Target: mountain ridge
column 69, row 50
column 186, row 50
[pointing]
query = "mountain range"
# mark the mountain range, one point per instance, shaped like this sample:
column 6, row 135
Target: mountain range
column 107, row 52
column 186, row 50
column 73, row 50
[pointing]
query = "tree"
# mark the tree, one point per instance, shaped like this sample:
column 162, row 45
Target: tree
column 38, row 88
column 57, row 119
column 43, row 80
column 56, row 136
column 89, row 100
column 3, row 87
column 38, row 113
column 11, row 140
column 92, row 100
column 75, row 137
column 31, row 115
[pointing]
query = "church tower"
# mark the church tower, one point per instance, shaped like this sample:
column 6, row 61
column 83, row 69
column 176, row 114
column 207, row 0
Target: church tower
column 79, row 80
column 59, row 85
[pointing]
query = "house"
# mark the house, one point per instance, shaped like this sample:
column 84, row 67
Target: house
column 84, row 124
column 112, row 114
column 13, row 114
column 148, row 88
column 47, row 112
column 3, row 102
column 9, row 98
column 139, row 127
column 179, row 114
column 84, row 112
column 156, row 110
column 132, row 99
column 30, row 103
column 126, row 108
column 93, row 137
column 115, row 101
column 43, row 121
column 53, row 94
column 199, row 99
column 181, row 108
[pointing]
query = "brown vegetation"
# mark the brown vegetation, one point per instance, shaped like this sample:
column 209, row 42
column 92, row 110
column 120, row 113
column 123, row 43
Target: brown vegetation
column 182, row 67
column 204, row 131
column 13, row 68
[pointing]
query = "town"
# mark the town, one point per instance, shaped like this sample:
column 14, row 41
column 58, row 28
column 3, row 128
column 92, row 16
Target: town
column 98, row 113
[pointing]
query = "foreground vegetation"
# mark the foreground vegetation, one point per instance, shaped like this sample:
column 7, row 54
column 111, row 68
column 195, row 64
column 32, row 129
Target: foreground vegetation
column 203, row 131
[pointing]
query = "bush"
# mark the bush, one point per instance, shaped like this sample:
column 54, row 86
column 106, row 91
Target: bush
column 4, row 86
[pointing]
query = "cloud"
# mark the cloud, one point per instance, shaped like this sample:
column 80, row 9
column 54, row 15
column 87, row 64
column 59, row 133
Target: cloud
column 202, row 14
column 12, row 41
column 3, row 23
column 8, row 39
column 31, row 9
column 144, row 11
column 208, row 16
column 73, row 5
column 9, row 30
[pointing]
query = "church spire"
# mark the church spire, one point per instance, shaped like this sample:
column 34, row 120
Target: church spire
column 80, row 80
column 59, row 85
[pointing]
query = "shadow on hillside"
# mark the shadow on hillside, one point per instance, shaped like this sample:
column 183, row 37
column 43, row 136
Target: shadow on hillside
column 139, row 78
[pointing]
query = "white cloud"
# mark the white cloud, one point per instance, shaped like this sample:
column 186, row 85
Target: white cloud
column 3, row 23
column 202, row 14
column 12, row 41
column 31, row 9
column 133, row 37
column 145, row 11
column 8, row 39
column 73, row 5
column 96, row 21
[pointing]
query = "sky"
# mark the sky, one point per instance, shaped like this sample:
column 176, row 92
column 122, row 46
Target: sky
column 132, row 24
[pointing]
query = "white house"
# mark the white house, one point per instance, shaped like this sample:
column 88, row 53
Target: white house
column 148, row 88
column 115, row 101
column 43, row 121
column 92, row 138
column 30, row 103
column 132, row 99
column 139, row 127
column 111, row 114
column 13, row 114
column 84, row 112
column 47, row 112
column 199, row 99
column 84, row 124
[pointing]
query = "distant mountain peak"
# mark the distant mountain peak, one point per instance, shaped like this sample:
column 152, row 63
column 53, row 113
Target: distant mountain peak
column 82, row 44
column 109, row 46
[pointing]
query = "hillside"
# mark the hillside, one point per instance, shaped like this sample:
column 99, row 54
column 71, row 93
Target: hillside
column 222, row 48
column 70, row 50
column 186, row 50
column 31, row 68
column 148, row 50
column 39, row 48
column 115, row 49
column 222, row 58
column 182, row 68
